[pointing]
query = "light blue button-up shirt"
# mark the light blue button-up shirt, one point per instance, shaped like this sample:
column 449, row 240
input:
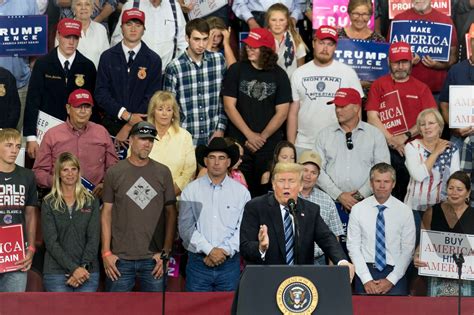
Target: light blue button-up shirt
column 210, row 215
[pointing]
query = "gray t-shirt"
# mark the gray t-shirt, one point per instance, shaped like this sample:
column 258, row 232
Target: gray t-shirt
column 138, row 195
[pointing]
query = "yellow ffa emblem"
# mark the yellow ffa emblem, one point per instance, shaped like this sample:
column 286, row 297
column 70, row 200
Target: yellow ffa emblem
column 141, row 73
column 79, row 80
column 3, row 91
column 297, row 295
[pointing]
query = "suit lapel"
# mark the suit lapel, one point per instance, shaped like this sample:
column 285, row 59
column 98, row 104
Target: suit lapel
column 275, row 215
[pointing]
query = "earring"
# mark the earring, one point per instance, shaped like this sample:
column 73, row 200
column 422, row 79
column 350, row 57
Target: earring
column 467, row 200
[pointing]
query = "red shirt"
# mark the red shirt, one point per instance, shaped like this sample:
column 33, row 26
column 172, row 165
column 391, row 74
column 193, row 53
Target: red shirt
column 434, row 78
column 414, row 95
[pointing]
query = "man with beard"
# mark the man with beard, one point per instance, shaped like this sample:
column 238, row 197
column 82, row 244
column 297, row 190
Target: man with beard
column 425, row 69
column 393, row 104
column 313, row 85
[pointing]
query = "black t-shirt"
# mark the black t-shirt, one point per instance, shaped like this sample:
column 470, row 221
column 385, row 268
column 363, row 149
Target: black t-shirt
column 257, row 93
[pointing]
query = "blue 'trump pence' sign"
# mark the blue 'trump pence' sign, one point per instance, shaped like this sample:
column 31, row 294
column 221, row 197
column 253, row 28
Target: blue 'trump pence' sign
column 367, row 58
column 23, row 35
column 426, row 38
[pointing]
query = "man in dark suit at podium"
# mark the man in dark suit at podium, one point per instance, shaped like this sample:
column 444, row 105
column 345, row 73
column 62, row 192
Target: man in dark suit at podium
column 267, row 232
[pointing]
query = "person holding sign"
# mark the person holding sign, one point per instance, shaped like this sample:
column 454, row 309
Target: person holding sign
column 70, row 219
column 430, row 160
column 453, row 215
column 393, row 104
column 18, row 205
column 381, row 237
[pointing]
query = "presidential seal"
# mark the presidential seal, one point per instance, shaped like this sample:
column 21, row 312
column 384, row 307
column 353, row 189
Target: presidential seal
column 3, row 90
column 79, row 80
column 297, row 295
column 141, row 73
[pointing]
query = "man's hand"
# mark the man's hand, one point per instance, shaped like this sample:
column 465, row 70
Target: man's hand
column 217, row 256
column 216, row 134
column 110, row 268
column 32, row 148
column 263, row 240
column 371, row 287
column 351, row 268
column 384, row 286
column 255, row 142
column 157, row 272
column 136, row 118
column 80, row 275
column 25, row 264
column 98, row 190
column 208, row 262
column 252, row 23
column 121, row 139
column 398, row 143
column 347, row 199
column 463, row 132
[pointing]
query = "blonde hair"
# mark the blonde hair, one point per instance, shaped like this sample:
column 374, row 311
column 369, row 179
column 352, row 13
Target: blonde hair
column 81, row 195
column 284, row 167
column 291, row 26
column 437, row 115
column 7, row 134
column 160, row 98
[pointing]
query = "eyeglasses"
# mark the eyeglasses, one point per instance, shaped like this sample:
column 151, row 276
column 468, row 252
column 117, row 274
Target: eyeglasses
column 365, row 16
column 349, row 143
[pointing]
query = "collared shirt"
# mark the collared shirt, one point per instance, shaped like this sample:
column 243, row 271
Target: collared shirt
column 159, row 29
column 399, row 237
column 62, row 59
column 175, row 150
column 210, row 215
column 328, row 212
column 243, row 8
column 135, row 49
column 346, row 170
column 92, row 146
column 467, row 162
column 18, row 66
column 197, row 89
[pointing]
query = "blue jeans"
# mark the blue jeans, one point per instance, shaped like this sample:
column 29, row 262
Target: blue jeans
column 130, row 271
column 14, row 281
column 201, row 278
column 57, row 283
column 401, row 288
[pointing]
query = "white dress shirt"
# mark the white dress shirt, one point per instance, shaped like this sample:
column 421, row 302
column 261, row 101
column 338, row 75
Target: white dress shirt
column 399, row 237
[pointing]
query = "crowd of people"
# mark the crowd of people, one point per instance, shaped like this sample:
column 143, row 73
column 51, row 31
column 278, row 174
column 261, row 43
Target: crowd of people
column 169, row 138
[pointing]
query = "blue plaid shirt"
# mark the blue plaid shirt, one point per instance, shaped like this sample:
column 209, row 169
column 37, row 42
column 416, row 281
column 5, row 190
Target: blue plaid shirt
column 197, row 88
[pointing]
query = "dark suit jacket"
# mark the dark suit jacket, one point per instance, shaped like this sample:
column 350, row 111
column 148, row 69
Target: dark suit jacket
column 266, row 210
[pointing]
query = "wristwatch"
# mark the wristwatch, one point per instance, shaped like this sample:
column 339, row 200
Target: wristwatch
column 408, row 134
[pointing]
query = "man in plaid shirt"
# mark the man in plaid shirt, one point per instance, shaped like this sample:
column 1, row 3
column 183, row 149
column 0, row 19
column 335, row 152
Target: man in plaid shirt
column 467, row 161
column 195, row 78
column 311, row 162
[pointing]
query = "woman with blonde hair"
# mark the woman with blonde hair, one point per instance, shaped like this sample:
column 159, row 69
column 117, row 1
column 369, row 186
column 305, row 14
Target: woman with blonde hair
column 289, row 45
column 175, row 146
column 70, row 220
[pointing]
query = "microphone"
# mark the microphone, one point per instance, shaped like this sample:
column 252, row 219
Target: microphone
column 292, row 205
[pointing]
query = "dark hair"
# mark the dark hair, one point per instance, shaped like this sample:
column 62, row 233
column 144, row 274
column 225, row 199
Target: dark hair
column 462, row 177
column 268, row 58
column 199, row 25
column 280, row 145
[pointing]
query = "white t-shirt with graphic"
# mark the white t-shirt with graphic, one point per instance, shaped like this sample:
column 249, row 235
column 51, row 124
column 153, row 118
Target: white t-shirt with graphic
column 313, row 86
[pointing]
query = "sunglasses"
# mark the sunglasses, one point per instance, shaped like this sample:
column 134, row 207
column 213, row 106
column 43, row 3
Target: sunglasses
column 349, row 143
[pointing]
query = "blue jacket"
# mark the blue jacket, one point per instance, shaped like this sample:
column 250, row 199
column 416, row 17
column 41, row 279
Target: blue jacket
column 117, row 88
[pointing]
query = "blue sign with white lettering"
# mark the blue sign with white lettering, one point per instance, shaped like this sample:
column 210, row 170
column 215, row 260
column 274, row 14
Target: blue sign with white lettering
column 367, row 58
column 23, row 35
column 426, row 38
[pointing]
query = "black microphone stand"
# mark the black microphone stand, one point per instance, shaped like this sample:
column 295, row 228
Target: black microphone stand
column 164, row 257
column 459, row 260
column 292, row 206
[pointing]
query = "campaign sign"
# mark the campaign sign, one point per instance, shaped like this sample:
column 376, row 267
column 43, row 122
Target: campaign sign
column 426, row 38
column 23, row 35
column 437, row 249
column 44, row 123
column 391, row 113
column 468, row 46
column 173, row 266
column 87, row 184
column 396, row 7
column 367, row 58
column 242, row 36
column 334, row 13
column 202, row 8
column 461, row 106
column 12, row 247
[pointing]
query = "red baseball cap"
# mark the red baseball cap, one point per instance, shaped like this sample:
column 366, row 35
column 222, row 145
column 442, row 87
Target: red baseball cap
column 326, row 32
column 68, row 27
column 399, row 51
column 133, row 14
column 346, row 96
column 259, row 37
column 79, row 97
